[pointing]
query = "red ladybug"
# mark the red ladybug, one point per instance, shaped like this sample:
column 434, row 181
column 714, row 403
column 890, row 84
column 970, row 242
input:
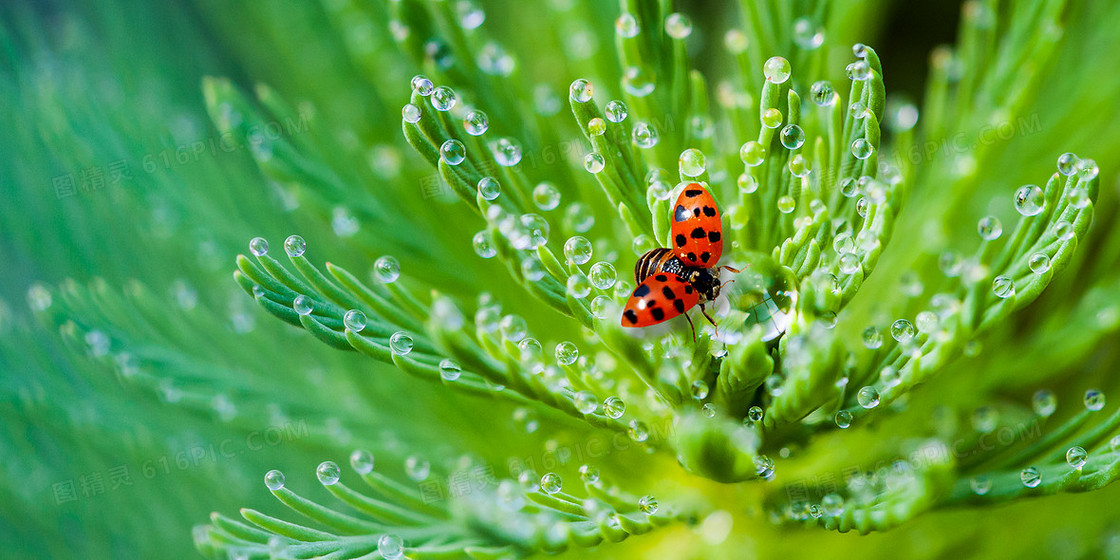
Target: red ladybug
column 672, row 281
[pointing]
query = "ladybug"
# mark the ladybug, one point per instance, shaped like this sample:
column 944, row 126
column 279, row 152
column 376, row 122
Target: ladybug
column 672, row 281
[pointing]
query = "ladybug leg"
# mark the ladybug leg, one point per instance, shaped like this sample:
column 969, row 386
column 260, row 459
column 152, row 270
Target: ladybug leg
column 691, row 326
column 705, row 312
column 735, row 270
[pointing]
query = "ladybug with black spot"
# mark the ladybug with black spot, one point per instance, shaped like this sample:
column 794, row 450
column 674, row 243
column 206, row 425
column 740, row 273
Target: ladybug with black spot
column 672, row 281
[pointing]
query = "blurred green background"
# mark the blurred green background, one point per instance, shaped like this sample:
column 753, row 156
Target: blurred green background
column 150, row 391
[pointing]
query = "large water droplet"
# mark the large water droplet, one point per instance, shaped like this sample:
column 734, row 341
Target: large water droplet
column 1094, row 400
column 678, row 26
column 772, row 118
column 361, row 461
column 410, row 113
column 1067, row 164
column 566, row 353
column 1044, row 403
column 692, row 162
column 868, row 397
column 616, row 111
column 449, row 370
column 390, row 547
column 387, row 269
column 303, row 305
column 832, row 504
column 626, row 26
column 822, row 94
column 602, row 275
column 1029, row 200
column 638, row 431
column 489, row 188
column 903, row 331
column 483, row 246
column 417, row 468
column 476, row 123
column 546, row 197
column 258, row 246
column 980, row 485
column 514, row 328
column 354, row 320
column 443, row 98
column 594, row 162
column 584, row 401
column 648, row 505
column 767, row 292
column 752, row 153
column 989, row 228
column 581, row 91
column 400, row 343
column 295, row 246
column 1030, row 477
column 645, row 135
column 859, row 70
column 1039, row 263
column 1003, row 286
column 792, row 137
column 551, row 483
column 807, row 34
column 274, row 480
column 422, row 85
column 614, row 407
column 776, row 69
column 507, row 152
column 328, row 473
column 843, row 419
column 577, row 250
column 1076, row 457
column 861, row 148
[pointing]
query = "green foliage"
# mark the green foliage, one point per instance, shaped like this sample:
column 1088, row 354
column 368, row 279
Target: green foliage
column 910, row 307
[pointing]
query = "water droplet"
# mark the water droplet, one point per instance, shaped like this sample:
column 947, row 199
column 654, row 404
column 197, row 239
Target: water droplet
column 626, row 26
column 361, row 461
column 764, row 467
column 601, row 307
column 792, row 136
column 637, row 81
column 747, row 183
column 476, row 123
column 776, row 69
column 453, row 152
column 489, row 188
column 980, row 485
column 832, row 504
column 861, row 148
column 294, row 246
column 584, row 401
column 1076, row 457
column 985, row 419
column 577, row 250
column 989, row 228
column 417, row 468
column 616, row 111
column 443, row 98
column 410, row 113
column 328, row 473
column 678, row 26
column 807, row 34
column 422, row 85
column 752, row 153
column 400, row 343
column 1003, row 286
column 1067, row 164
column 843, row 419
column 1039, row 263
column 859, row 70
column 613, row 407
column 1087, row 170
column 699, row 389
column 638, row 431
column 449, row 370
column 578, row 285
column 507, row 152
column 593, row 162
column 390, row 547
column 1044, row 403
column 903, row 331
column 581, row 91
column 822, row 94
column 648, row 505
column 566, row 354
column 354, row 320
column 596, row 127
column 692, row 162
column 868, row 397
column 1064, row 230
column 483, row 247
column 514, row 328
column 645, row 135
column 1094, row 400
column 551, row 483
column 274, row 480
column 1030, row 477
column 1029, row 200
column 532, row 268
column 303, row 305
column 602, row 275
column 772, row 118
column 258, row 246
column 872, row 337
column 754, row 413
column 849, row 263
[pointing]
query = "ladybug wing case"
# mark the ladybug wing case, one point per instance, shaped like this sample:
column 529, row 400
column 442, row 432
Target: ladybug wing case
column 697, row 232
column 658, row 298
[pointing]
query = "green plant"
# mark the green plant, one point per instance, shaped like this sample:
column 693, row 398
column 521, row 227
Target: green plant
column 922, row 286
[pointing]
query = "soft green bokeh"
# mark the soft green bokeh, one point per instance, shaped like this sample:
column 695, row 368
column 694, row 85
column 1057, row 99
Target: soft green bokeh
column 151, row 359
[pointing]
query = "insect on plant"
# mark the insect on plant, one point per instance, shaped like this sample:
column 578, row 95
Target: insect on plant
column 672, row 281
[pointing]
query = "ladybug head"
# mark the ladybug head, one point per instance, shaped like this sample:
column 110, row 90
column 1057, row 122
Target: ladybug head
column 706, row 281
